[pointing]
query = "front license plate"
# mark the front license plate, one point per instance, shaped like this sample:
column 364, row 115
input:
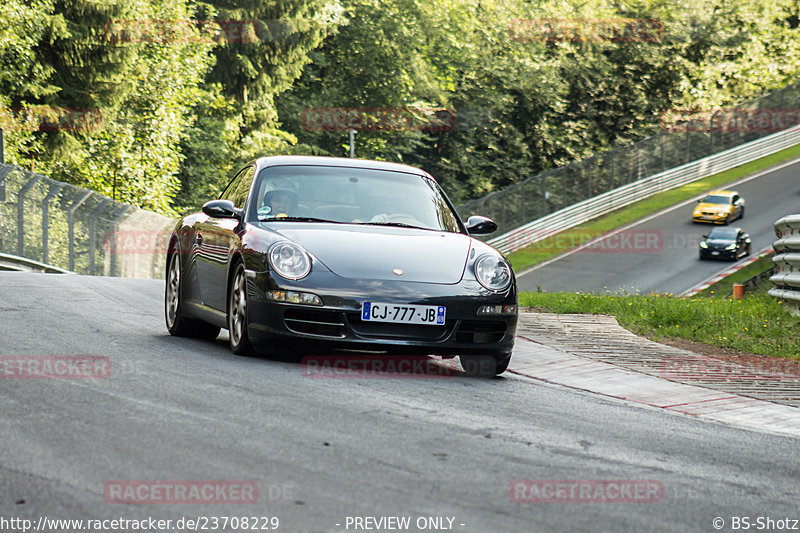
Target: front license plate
column 430, row 315
column 714, row 253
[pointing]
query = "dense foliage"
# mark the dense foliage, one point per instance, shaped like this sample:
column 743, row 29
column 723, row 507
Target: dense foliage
column 156, row 102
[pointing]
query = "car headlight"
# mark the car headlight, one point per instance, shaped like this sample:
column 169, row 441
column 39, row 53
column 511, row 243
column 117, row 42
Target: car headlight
column 731, row 247
column 493, row 272
column 703, row 244
column 289, row 260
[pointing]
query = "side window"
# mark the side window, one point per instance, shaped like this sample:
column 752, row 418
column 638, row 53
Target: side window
column 735, row 198
column 237, row 189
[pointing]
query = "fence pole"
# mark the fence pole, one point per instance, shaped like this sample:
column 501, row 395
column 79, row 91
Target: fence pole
column 55, row 188
column 4, row 171
column 93, row 233
column 71, row 228
column 21, row 213
column 2, row 148
column 112, row 241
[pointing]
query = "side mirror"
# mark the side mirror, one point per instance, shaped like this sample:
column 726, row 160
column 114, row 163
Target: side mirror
column 480, row 226
column 705, row 236
column 222, row 209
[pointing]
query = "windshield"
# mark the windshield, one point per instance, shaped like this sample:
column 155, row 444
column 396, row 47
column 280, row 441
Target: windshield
column 717, row 199
column 722, row 233
column 351, row 196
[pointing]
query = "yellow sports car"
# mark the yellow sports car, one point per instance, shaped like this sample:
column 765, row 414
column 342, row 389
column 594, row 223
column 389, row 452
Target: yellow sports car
column 719, row 207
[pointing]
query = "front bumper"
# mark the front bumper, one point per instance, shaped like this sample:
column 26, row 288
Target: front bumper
column 719, row 254
column 337, row 323
column 710, row 219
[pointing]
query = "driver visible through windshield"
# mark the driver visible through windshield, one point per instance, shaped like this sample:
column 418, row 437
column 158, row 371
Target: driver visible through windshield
column 351, row 196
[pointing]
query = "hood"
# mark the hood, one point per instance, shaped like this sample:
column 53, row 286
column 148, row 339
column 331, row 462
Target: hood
column 374, row 252
column 719, row 243
column 712, row 208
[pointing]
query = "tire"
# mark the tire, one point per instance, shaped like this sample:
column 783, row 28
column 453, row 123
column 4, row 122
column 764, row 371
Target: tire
column 484, row 366
column 177, row 323
column 728, row 219
column 741, row 214
column 237, row 313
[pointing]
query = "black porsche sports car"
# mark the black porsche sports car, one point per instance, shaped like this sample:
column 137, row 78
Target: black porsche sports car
column 725, row 243
column 349, row 253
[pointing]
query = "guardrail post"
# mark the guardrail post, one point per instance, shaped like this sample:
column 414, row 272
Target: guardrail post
column 93, row 233
column 544, row 198
column 71, row 228
column 112, row 242
column 53, row 192
column 2, row 148
column 21, row 213
column 4, row 171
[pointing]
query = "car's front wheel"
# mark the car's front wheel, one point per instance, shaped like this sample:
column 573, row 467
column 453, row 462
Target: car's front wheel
column 237, row 313
column 485, row 366
column 177, row 323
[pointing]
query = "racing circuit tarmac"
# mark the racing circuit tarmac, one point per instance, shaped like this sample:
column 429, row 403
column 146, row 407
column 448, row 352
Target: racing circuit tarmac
column 462, row 454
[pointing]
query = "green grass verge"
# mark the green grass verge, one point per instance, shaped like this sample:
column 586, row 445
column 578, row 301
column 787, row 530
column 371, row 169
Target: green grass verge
column 757, row 324
column 571, row 238
column 724, row 287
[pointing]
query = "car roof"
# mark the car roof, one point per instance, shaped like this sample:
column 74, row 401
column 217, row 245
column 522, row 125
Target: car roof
column 283, row 160
column 722, row 192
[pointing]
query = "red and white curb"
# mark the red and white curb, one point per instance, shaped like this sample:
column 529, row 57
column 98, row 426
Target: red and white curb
column 537, row 361
column 727, row 272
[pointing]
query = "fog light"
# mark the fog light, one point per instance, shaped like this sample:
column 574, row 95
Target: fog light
column 293, row 297
column 497, row 310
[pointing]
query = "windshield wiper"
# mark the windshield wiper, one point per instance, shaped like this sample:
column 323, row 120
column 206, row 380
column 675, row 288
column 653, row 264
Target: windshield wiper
column 397, row 224
column 299, row 219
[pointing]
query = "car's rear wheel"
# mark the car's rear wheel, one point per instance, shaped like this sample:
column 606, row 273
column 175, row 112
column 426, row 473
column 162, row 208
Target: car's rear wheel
column 237, row 313
column 484, row 366
column 177, row 323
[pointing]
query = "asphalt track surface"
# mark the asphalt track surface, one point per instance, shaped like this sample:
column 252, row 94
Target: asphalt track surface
column 660, row 254
column 324, row 449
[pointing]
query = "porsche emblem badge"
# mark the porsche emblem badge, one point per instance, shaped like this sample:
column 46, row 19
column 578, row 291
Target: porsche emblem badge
column 398, row 271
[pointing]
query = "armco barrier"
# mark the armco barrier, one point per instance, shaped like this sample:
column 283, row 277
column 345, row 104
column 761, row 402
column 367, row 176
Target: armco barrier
column 685, row 136
column 588, row 209
column 787, row 259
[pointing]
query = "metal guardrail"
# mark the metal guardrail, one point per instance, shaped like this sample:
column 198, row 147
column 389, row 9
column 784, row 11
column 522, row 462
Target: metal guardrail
column 22, row 264
column 73, row 229
column 787, row 259
column 696, row 137
column 754, row 283
column 581, row 212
